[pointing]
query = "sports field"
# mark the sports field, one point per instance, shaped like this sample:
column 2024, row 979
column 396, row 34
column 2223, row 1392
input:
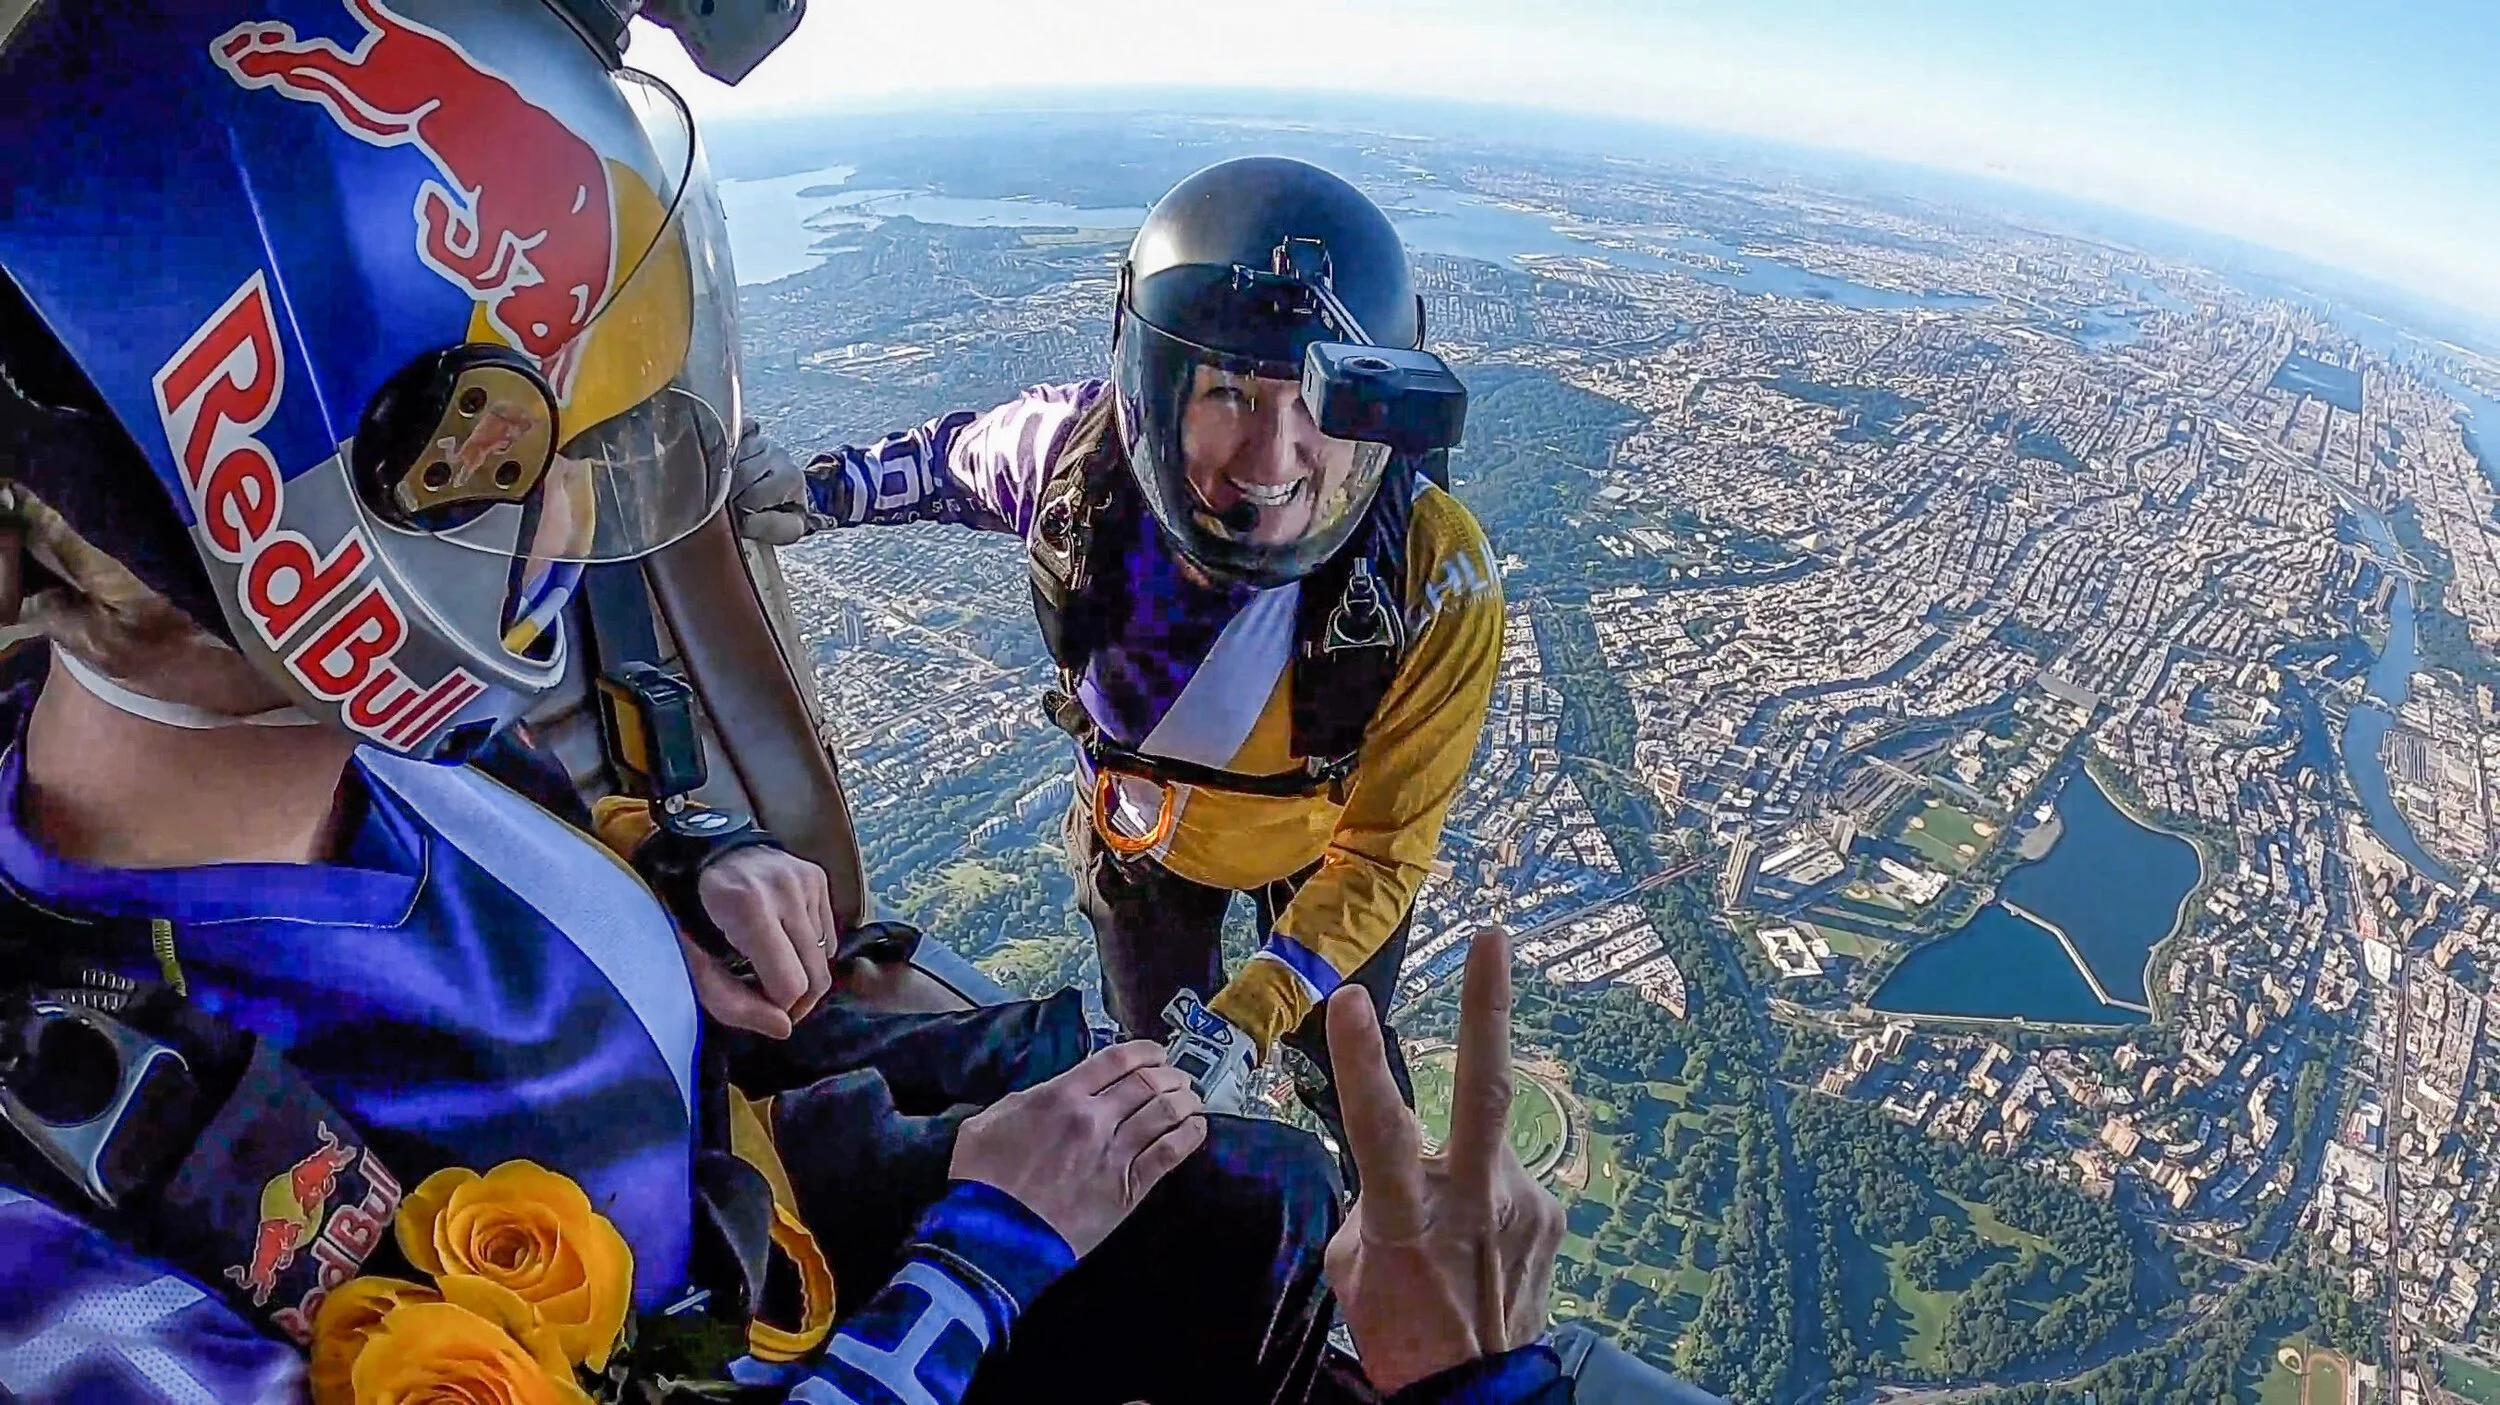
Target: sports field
column 2293, row 1372
column 1947, row 834
column 2468, row 1380
column 1536, row 1115
column 2325, row 1381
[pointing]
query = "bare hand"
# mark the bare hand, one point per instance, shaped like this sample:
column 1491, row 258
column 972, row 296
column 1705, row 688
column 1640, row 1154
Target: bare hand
column 1084, row 1148
column 777, row 912
column 1449, row 1257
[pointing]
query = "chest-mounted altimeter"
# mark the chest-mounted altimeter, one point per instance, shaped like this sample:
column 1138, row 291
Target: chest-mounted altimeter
column 1354, row 388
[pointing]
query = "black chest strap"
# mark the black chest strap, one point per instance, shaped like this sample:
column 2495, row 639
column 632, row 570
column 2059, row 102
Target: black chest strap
column 189, row 1140
column 1349, row 635
column 195, row 1143
column 1350, row 632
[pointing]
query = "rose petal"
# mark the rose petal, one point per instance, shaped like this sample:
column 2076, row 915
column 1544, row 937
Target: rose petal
column 415, row 1222
column 348, row 1318
column 610, row 1261
column 534, row 1184
column 504, row 1308
column 512, row 1243
column 443, row 1351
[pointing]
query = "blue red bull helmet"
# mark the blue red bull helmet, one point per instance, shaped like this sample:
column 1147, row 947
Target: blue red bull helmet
column 400, row 311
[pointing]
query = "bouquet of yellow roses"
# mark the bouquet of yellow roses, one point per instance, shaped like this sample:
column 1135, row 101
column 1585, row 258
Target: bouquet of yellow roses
column 529, row 1305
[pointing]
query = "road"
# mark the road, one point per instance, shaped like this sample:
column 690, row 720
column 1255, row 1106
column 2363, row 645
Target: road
column 2395, row 1085
column 1612, row 896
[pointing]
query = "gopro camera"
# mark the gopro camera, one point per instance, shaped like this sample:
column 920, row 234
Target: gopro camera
column 653, row 739
column 1408, row 400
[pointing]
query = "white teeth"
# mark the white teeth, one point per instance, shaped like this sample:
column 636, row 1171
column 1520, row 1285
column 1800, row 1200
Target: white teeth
column 1269, row 494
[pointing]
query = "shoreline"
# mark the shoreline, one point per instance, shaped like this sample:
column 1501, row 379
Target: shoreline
column 2001, row 1021
column 2148, row 1007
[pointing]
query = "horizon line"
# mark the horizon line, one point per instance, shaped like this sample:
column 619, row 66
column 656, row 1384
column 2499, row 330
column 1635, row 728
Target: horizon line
column 1201, row 103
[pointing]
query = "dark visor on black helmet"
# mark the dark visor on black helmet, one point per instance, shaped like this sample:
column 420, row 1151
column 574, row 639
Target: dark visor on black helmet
column 1231, row 462
column 1269, row 366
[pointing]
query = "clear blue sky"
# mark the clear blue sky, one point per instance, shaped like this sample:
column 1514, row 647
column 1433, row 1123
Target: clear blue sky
column 2364, row 134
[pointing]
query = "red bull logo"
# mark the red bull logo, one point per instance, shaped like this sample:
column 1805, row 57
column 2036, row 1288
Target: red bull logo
column 522, row 218
column 291, row 1207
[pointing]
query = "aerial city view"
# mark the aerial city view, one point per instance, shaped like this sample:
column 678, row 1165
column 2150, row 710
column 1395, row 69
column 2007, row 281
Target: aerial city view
column 1994, row 775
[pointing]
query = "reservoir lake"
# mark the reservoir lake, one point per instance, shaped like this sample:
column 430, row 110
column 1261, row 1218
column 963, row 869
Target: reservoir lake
column 2112, row 885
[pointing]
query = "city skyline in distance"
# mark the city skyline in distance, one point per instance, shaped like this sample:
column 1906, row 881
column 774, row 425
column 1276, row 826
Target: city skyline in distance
column 2364, row 142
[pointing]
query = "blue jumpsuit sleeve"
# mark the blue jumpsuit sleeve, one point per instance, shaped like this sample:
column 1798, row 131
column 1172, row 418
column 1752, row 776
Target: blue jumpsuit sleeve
column 1531, row 1375
column 83, row 1319
column 975, row 1263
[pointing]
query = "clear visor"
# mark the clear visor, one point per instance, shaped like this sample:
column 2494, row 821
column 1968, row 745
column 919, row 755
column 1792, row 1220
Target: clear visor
column 1258, row 474
column 647, row 393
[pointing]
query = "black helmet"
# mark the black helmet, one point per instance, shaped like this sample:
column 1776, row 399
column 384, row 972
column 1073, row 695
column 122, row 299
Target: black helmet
column 1231, row 279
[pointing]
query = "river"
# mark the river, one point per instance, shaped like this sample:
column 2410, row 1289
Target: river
column 777, row 226
column 2113, row 886
column 2364, row 743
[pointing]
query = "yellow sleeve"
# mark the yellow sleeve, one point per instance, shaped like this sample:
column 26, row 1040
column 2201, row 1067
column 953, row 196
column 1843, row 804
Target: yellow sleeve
column 1414, row 761
column 622, row 823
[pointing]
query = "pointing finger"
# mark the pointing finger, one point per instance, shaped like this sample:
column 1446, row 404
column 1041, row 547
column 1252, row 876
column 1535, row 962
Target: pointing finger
column 1380, row 1132
column 1481, row 1093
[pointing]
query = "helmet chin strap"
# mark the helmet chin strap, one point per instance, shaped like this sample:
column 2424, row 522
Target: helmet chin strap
column 173, row 714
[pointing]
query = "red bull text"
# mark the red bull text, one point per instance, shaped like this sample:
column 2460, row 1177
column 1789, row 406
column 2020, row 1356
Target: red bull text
column 214, row 397
column 522, row 218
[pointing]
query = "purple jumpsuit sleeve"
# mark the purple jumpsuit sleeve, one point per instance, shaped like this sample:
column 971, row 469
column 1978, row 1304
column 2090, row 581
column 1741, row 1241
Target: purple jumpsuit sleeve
column 982, row 471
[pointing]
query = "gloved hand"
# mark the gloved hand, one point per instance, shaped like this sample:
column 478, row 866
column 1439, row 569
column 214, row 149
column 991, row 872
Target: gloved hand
column 1217, row 1055
column 767, row 491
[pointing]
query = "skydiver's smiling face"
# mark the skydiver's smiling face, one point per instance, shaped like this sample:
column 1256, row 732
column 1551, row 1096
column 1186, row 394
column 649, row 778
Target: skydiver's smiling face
column 1249, row 439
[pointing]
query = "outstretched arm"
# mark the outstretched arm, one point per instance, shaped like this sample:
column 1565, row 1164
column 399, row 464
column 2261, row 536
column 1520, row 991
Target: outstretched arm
column 979, row 470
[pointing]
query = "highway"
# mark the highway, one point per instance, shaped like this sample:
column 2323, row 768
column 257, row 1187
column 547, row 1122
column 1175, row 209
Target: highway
column 1653, row 881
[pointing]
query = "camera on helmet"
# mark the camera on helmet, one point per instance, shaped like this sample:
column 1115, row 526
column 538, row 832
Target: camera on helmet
column 1408, row 400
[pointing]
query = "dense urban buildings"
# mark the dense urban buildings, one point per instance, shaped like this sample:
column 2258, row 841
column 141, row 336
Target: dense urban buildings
column 1964, row 682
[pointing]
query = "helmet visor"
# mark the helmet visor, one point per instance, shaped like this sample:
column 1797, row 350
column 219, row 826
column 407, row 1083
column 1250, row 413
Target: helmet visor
column 1232, row 463
column 647, row 393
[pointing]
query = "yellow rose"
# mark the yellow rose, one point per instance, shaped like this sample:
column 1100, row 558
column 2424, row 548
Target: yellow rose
column 444, row 1354
column 530, row 1231
column 521, row 1322
column 347, row 1320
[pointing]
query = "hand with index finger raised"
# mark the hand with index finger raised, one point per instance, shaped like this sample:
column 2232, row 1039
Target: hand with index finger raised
column 1449, row 1257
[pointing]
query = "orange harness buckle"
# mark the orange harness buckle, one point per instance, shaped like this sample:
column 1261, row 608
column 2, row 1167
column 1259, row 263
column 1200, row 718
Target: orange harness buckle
column 1126, row 846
